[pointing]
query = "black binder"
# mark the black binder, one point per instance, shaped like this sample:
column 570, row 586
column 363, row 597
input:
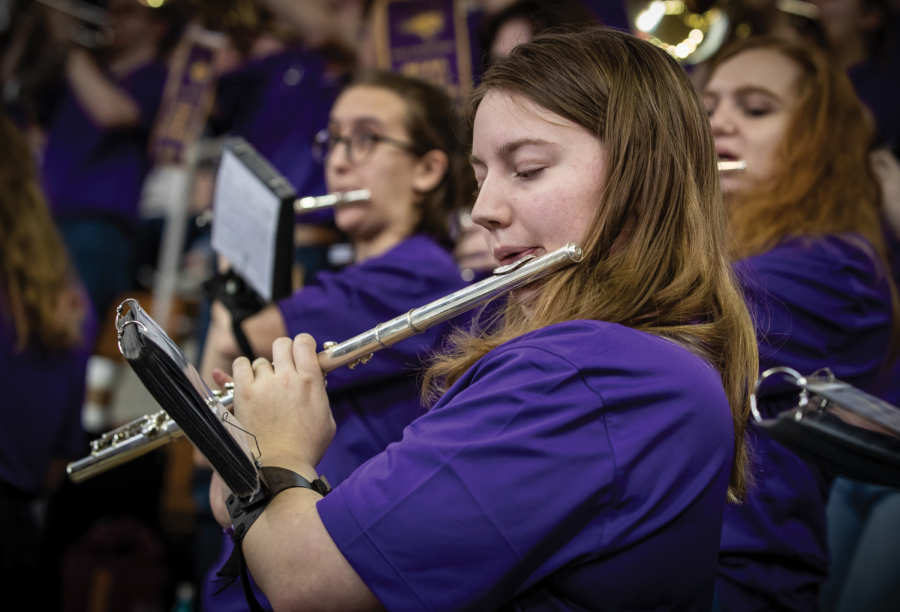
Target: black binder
column 824, row 430
column 176, row 385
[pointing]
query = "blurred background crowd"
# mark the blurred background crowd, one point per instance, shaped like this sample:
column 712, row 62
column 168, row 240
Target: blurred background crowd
column 114, row 117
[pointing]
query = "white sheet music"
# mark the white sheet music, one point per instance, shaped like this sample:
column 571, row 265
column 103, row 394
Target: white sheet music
column 245, row 222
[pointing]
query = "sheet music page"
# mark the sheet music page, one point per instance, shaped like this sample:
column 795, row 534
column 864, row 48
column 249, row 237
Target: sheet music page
column 245, row 221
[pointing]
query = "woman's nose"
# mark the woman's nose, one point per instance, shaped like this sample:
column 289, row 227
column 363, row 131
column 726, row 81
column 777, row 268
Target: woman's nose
column 722, row 120
column 338, row 161
column 491, row 209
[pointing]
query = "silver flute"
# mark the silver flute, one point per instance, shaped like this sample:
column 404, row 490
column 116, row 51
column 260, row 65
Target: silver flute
column 305, row 205
column 154, row 430
column 309, row 204
column 725, row 166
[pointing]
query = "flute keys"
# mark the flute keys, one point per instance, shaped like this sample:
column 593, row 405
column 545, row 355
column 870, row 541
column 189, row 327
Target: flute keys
column 362, row 360
column 329, row 344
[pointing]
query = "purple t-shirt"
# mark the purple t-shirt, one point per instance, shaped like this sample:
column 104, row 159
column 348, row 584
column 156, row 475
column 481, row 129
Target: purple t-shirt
column 278, row 104
column 88, row 170
column 371, row 403
column 817, row 303
column 583, row 466
column 41, row 407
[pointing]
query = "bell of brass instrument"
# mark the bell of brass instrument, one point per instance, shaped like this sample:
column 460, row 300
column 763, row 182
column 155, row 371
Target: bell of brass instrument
column 691, row 30
column 152, row 431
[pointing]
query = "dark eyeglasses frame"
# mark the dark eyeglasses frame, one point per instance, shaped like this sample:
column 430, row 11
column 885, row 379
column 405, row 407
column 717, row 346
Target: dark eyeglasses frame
column 324, row 144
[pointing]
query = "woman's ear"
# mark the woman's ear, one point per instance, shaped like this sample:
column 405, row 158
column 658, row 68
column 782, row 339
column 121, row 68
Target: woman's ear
column 430, row 170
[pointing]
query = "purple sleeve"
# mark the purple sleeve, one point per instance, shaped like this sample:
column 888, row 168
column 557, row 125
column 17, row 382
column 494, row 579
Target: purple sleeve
column 145, row 86
column 472, row 506
column 820, row 304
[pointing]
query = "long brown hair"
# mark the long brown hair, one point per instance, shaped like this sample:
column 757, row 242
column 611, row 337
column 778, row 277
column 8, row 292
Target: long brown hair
column 36, row 292
column 430, row 125
column 670, row 276
column 824, row 183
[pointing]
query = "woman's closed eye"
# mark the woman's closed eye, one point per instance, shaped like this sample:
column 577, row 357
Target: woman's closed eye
column 757, row 111
column 757, row 106
column 529, row 174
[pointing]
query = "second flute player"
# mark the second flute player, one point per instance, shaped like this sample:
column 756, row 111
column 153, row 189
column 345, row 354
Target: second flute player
column 581, row 452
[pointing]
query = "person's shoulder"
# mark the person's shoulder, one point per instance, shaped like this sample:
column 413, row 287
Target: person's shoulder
column 598, row 346
column 839, row 261
column 807, row 255
column 419, row 254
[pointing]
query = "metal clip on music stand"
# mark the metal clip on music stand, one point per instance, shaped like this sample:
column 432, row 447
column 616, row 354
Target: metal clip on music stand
column 837, row 427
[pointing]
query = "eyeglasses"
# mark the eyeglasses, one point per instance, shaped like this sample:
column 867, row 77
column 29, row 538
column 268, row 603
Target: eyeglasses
column 360, row 145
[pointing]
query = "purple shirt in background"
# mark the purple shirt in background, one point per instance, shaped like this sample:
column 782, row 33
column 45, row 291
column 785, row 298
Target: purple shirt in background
column 91, row 171
column 583, row 466
column 371, row 403
column 877, row 83
column 611, row 13
column 278, row 104
column 41, row 407
column 817, row 303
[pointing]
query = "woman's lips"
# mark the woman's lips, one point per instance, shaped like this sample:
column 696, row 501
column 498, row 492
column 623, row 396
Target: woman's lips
column 508, row 256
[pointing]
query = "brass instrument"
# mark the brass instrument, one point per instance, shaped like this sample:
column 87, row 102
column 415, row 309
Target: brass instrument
column 152, row 431
column 693, row 30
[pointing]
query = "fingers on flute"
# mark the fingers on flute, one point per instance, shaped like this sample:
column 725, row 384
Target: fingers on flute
column 304, row 352
column 282, row 355
column 243, row 372
column 220, row 377
column 262, row 368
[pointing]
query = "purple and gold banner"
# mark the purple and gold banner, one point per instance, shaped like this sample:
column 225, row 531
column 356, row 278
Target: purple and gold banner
column 426, row 39
column 187, row 98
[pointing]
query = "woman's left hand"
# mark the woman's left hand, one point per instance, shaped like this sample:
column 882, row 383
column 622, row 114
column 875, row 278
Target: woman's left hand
column 285, row 407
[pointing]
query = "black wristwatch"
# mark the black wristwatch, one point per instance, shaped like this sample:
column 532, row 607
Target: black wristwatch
column 244, row 512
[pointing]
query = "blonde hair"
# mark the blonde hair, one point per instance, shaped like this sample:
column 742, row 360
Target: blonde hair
column 670, row 275
column 36, row 291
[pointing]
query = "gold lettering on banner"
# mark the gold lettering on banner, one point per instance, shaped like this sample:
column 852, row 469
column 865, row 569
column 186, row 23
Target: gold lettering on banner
column 425, row 25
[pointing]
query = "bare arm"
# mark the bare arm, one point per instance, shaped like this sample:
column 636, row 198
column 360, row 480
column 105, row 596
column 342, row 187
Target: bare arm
column 290, row 553
column 105, row 103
